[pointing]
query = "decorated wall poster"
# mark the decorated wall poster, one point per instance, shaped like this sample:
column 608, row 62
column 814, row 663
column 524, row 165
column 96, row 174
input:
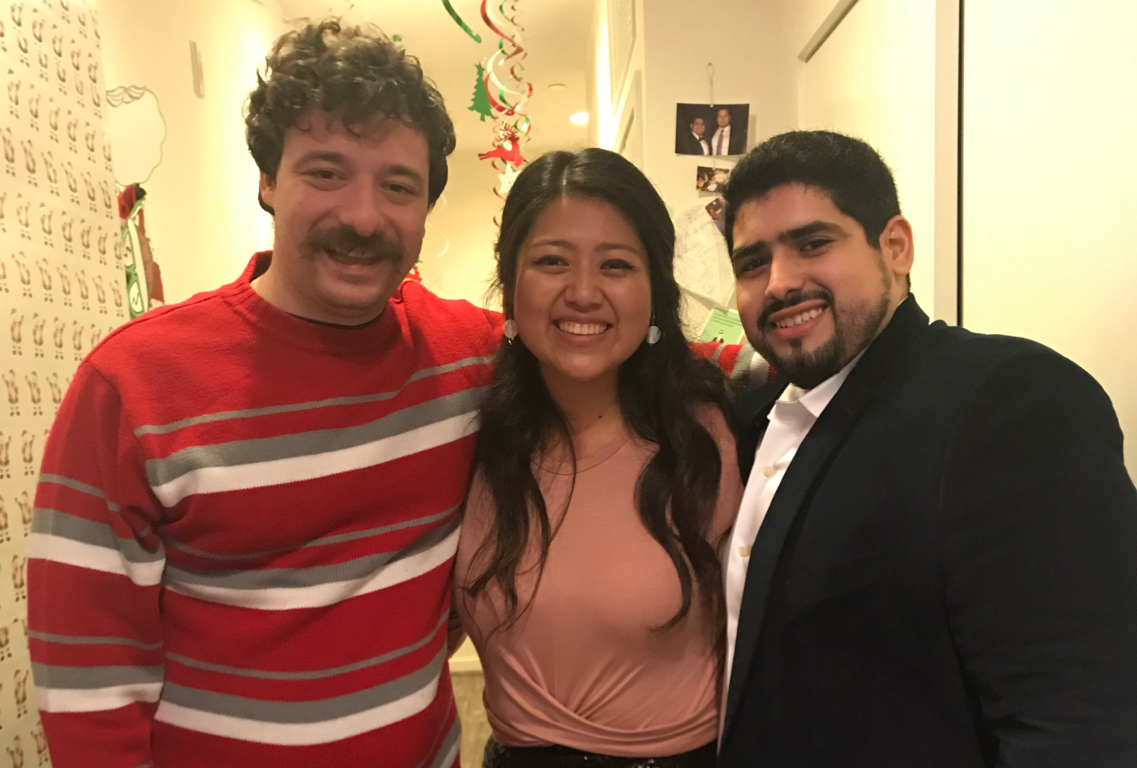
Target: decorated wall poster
column 62, row 288
column 702, row 264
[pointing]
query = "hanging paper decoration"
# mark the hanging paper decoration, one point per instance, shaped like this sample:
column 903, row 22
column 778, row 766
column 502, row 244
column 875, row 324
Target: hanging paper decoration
column 458, row 20
column 505, row 180
column 507, row 63
column 506, row 92
column 507, row 147
column 481, row 100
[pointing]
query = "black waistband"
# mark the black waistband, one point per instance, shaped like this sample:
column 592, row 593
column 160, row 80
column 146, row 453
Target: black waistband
column 497, row 756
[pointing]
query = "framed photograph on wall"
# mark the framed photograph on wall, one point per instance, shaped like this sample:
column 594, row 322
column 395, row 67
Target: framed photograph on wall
column 711, row 129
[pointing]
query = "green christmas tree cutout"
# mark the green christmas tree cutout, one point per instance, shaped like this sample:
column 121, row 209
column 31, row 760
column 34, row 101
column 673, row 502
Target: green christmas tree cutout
column 481, row 101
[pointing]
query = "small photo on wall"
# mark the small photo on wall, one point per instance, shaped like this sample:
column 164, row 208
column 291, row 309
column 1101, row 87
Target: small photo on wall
column 714, row 210
column 708, row 130
column 711, row 180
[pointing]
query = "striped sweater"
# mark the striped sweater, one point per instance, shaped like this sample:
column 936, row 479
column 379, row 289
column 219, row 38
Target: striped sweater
column 244, row 532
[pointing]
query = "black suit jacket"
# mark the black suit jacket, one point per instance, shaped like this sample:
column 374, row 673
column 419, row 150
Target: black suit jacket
column 687, row 144
column 736, row 145
column 947, row 575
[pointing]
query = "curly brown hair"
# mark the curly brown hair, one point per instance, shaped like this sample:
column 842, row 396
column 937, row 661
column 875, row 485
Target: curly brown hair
column 354, row 71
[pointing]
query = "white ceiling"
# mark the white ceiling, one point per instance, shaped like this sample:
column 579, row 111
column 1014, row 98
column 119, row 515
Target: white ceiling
column 555, row 35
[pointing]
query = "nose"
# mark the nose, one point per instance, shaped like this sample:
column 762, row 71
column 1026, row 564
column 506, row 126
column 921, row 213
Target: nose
column 786, row 276
column 362, row 207
column 583, row 289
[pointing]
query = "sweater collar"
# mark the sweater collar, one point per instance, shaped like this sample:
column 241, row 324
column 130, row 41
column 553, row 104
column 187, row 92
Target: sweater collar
column 369, row 339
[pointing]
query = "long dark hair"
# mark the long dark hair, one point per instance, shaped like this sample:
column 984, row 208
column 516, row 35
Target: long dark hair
column 661, row 390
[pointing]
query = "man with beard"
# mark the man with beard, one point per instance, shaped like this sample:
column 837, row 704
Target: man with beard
column 249, row 503
column 935, row 561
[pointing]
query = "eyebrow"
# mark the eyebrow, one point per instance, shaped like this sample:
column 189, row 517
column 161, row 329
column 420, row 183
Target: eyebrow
column 567, row 244
column 406, row 170
column 329, row 156
column 788, row 236
column 324, row 156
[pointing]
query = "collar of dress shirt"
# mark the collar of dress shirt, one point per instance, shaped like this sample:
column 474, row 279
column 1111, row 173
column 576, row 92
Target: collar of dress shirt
column 815, row 400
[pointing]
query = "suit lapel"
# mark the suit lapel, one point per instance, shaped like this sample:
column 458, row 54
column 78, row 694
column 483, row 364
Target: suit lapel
column 804, row 472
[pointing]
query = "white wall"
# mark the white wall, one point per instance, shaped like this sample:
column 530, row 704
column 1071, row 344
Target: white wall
column 457, row 253
column 754, row 64
column 874, row 78
column 201, row 211
column 1050, row 112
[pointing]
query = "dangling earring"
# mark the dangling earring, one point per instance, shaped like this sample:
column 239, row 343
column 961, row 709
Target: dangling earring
column 509, row 330
column 653, row 333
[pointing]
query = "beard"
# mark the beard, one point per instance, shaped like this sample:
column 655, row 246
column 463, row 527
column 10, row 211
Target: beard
column 854, row 328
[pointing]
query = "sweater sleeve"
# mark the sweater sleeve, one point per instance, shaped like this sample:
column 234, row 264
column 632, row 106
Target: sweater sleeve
column 94, row 572
column 740, row 362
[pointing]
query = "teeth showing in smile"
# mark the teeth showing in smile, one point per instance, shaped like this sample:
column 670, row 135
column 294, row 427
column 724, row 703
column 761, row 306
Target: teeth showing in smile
column 583, row 329
column 358, row 257
column 804, row 317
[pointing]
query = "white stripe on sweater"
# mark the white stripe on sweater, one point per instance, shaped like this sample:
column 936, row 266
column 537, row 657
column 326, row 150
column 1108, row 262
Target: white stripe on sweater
column 298, row 734
column 322, row 595
column 45, row 546
column 297, row 468
column 96, row 699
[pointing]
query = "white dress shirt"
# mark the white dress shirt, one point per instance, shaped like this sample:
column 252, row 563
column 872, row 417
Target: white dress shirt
column 723, row 134
column 791, row 418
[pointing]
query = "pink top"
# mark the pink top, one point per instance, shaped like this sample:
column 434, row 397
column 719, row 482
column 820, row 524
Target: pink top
column 582, row 667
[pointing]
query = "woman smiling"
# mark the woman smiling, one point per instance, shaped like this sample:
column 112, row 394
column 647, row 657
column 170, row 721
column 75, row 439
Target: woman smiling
column 588, row 574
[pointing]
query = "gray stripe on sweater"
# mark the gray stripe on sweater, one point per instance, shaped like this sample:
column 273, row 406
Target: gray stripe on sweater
column 299, row 712
column 92, row 678
column 248, row 413
column 53, row 522
column 75, row 485
column 300, row 578
column 161, row 471
column 48, row 637
column 453, row 736
column 314, row 674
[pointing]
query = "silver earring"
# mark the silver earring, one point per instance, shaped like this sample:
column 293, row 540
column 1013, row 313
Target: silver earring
column 509, row 330
column 654, row 334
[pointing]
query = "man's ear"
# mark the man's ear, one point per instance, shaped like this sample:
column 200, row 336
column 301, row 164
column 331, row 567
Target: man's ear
column 896, row 246
column 266, row 193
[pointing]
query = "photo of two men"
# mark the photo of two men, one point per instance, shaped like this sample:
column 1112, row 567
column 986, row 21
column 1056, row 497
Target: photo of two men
column 711, row 129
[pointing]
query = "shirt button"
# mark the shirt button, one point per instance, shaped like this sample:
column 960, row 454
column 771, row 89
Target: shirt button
column 744, row 550
column 768, row 471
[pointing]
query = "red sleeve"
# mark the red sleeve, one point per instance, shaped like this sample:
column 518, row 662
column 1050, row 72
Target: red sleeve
column 94, row 576
column 738, row 361
column 495, row 320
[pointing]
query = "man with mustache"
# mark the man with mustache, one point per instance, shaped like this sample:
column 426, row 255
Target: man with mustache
column 935, row 560
column 248, row 510
column 249, row 504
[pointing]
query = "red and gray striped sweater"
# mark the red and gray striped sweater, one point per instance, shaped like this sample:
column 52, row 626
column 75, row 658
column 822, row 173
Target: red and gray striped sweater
column 244, row 532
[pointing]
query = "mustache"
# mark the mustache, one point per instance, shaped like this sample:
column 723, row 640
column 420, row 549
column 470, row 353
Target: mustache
column 792, row 300
column 345, row 239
